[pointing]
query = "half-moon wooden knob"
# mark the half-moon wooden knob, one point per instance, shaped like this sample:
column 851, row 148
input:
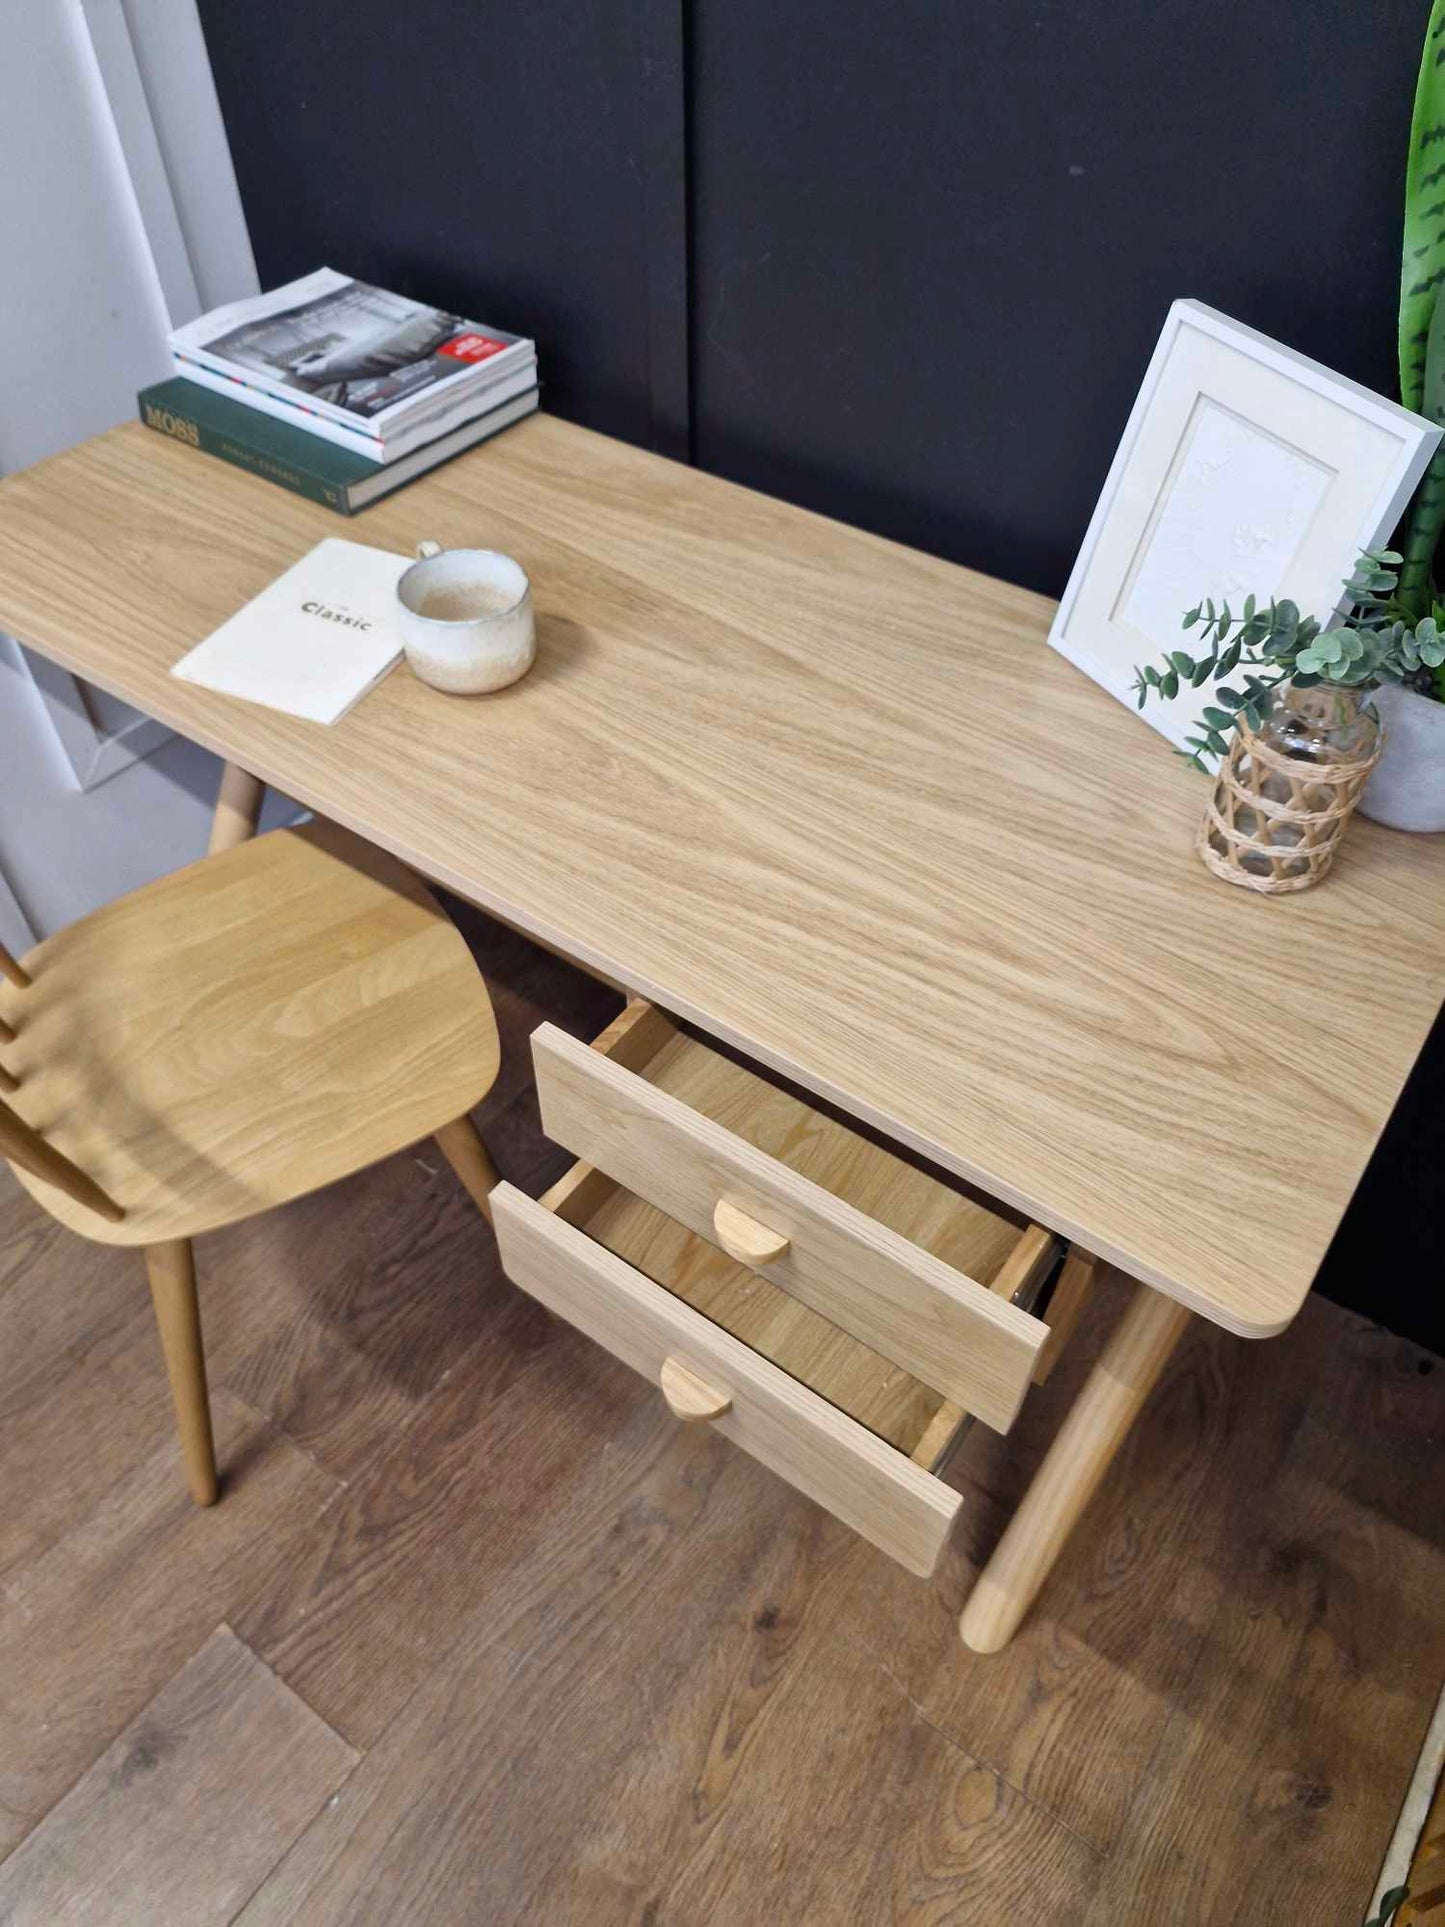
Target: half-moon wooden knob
column 743, row 1238
column 689, row 1397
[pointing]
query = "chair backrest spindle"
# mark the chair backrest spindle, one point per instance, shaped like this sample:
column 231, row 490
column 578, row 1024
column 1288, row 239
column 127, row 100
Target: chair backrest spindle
column 9, row 968
column 22, row 1144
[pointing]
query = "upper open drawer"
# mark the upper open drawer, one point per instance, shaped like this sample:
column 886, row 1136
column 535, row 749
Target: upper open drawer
column 918, row 1271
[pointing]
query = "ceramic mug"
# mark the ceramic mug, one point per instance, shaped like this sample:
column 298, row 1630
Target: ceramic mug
column 466, row 619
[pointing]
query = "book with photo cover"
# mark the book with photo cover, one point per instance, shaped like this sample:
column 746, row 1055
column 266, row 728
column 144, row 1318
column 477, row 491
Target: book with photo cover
column 339, row 350
column 314, row 641
column 378, row 453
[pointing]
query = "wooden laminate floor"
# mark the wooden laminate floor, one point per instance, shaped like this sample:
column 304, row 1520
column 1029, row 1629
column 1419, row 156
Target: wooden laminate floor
column 479, row 1635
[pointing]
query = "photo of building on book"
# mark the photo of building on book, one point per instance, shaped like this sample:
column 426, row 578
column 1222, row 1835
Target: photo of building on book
column 328, row 380
column 357, row 346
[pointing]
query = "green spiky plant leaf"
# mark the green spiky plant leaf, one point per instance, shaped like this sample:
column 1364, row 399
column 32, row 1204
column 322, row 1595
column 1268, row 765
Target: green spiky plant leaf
column 1427, row 512
column 1422, row 268
column 1422, row 317
column 1390, row 1905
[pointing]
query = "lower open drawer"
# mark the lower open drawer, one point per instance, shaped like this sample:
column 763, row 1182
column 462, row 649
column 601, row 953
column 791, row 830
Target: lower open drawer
column 855, row 1450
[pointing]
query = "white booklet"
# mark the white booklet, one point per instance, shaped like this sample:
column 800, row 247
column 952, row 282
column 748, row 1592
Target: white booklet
column 315, row 641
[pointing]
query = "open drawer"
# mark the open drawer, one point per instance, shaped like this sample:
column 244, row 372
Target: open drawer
column 771, row 1351
column 896, row 1258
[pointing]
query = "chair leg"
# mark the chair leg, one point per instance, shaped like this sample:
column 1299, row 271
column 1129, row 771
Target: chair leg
column 461, row 1145
column 171, row 1268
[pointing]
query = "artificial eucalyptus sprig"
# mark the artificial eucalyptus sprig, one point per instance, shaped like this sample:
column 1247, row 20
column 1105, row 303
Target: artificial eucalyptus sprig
column 1375, row 643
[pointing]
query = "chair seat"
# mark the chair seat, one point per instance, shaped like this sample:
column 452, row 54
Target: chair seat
column 245, row 1031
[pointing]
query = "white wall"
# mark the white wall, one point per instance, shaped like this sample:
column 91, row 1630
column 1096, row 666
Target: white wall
column 119, row 215
column 180, row 93
column 102, row 103
column 83, row 321
column 64, row 850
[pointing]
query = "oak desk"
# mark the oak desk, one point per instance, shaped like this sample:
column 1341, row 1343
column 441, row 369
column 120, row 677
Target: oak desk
column 837, row 803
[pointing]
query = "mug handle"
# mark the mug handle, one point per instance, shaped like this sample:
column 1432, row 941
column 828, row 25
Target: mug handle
column 426, row 550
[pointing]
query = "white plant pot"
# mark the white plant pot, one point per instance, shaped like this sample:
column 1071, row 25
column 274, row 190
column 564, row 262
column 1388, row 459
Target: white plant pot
column 1407, row 787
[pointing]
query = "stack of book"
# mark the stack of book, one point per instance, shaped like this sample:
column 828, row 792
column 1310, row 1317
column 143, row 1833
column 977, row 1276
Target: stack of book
column 338, row 390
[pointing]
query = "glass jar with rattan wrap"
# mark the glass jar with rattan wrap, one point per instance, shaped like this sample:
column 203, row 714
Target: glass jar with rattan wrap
column 1283, row 796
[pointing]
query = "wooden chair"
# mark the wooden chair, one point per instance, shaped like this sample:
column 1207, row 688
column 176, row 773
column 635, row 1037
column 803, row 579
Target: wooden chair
column 276, row 1016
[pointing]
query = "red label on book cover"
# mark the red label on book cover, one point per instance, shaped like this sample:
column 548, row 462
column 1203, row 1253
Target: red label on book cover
column 471, row 347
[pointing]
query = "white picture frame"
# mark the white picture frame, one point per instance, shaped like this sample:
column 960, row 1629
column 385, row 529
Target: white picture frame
column 1245, row 468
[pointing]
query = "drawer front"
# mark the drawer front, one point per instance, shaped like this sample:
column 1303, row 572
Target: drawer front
column 942, row 1327
column 808, row 1442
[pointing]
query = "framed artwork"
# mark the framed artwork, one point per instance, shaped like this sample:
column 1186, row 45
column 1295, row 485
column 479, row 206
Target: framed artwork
column 1245, row 468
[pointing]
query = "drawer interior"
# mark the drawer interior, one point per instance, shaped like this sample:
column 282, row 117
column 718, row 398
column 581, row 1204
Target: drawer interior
column 986, row 1243
column 800, row 1341
column 963, row 1230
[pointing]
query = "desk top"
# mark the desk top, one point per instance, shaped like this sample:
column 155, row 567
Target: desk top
column 836, row 802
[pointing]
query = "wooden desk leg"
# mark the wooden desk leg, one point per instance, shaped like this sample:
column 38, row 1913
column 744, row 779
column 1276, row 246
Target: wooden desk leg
column 1071, row 1294
column 237, row 807
column 1095, row 1428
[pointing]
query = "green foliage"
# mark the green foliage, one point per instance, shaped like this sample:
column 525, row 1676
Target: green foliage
column 1374, row 644
column 1422, row 268
column 1390, row 1905
column 1427, row 512
column 1422, row 313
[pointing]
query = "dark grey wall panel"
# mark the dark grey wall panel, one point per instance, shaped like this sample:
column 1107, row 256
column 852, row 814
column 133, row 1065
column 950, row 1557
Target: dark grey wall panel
column 487, row 158
column 1388, row 1257
column 933, row 244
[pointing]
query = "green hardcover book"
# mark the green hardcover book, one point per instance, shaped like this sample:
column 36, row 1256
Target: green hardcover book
column 302, row 462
